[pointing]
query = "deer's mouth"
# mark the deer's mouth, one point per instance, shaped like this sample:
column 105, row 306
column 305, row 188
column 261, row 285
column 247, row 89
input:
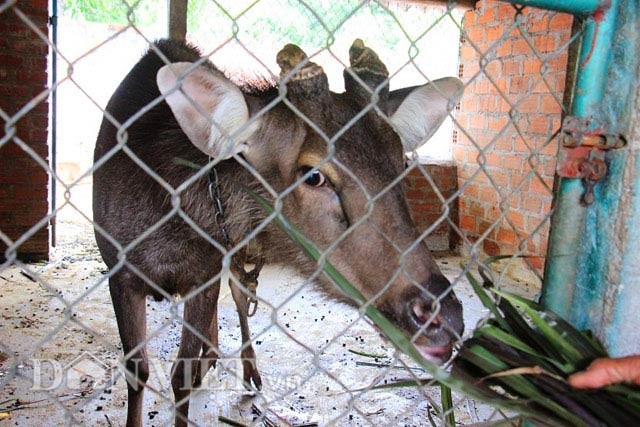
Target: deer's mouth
column 437, row 355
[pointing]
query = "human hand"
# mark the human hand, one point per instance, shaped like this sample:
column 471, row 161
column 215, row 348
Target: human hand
column 603, row 372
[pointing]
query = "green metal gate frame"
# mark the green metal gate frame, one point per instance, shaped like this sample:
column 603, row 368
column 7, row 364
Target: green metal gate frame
column 592, row 273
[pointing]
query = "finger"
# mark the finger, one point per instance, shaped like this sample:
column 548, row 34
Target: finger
column 596, row 375
column 603, row 372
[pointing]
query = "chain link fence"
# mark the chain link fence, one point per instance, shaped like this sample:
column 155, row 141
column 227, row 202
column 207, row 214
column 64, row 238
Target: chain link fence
column 181, row 153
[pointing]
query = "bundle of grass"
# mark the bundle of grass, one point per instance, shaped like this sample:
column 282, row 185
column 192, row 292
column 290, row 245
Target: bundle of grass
column 523, row 355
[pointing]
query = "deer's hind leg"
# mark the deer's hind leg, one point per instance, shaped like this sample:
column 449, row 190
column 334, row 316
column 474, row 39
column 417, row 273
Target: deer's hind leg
column 129, row 305
column 210, row 349
column 197, row 321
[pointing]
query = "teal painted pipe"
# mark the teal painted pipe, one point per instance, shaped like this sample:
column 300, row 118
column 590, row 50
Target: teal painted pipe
column 621, row 332
column 595, row 58
column 562, row 272
column 567, row 227
column 578, row 7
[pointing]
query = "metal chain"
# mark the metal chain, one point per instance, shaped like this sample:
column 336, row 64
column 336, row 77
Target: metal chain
column 248, row 278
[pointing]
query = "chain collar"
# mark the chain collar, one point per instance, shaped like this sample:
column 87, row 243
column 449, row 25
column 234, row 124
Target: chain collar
column 248, row 278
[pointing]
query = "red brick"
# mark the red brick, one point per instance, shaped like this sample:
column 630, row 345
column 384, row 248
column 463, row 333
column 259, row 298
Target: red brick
column 415, row 195
column 493, row 69
column 13, row 61
column 493, row 33
column 506, row 12
column 471, row 190
column 484, row 225
column 469, row 102
column 500, row 178
column 489, row 194
column 477, row 210
column 424, row 207
column 487, row 16
column 511, row 66
column 504, row 143
column 520, row 84
column 539, row 24
column 561, row 21
column 513, row 202
column 491, row 248
column 544, row 84
column 468, row 53
column 467, row 223
column 560, row 83
column 535, row 262
column 463, row 206
column 520, row 47
column 475, row 33
column 508, row 236
column 500, row 85
column 470, row 18
column 460, row 153
column 549, row 104
column 557, row 63
column 477, row 121
column 532, row 66
column 516, row 181
column 22, row 77
column 539, row 124
column 471, row 68
column 521, row 145
column 29, row 192
column 493, row 159
column 528, row 105
column 504, row 106
column 480, row 86
column 497, row 123
column 512, row 161
column 532, row 203
column 488, row 103
column 545, row 43
column 516, row 218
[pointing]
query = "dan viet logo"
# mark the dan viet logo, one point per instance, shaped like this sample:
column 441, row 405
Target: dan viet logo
column 85, row 371
column 88, row 371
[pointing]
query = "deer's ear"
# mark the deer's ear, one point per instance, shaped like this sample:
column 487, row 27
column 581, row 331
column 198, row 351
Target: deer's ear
column 210, row 109
column 417, row 113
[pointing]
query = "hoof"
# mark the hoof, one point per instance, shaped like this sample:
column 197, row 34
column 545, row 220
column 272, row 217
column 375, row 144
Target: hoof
column 252, row 380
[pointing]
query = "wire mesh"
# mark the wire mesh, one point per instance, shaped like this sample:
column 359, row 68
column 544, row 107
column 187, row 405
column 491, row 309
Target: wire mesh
column 320, row 361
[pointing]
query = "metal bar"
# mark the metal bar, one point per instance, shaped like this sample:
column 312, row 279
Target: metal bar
column 621, row 332
column 178, row 19
column 53, row 20
column 565, row 237
column 574, row 7
column 567, row 226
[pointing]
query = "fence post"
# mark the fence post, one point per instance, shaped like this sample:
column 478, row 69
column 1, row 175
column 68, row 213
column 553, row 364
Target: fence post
column 568, row 224
column 178, row 19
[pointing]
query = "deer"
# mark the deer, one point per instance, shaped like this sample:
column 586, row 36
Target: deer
column 331, row 163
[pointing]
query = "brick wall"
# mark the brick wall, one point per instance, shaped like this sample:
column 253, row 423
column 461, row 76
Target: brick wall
column 427, row 208
column 510, row 109
column 23, row 76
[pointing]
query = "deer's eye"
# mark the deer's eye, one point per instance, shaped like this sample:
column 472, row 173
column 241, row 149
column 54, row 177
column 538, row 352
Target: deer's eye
column 314, row 178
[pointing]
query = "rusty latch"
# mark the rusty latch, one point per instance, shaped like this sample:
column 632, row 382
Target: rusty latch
column 584, row 142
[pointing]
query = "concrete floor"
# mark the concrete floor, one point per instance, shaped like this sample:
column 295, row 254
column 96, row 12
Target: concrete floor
column 60, row 331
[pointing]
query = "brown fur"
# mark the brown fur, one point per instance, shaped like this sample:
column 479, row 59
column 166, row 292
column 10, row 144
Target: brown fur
column 152, row 252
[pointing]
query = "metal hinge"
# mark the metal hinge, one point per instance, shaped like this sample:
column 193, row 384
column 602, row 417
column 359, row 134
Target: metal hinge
column 582, row 154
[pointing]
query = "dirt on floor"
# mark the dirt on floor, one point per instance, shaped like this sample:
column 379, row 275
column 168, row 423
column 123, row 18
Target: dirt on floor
column 320, row 361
